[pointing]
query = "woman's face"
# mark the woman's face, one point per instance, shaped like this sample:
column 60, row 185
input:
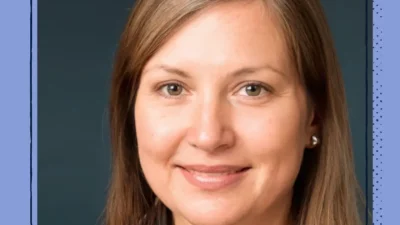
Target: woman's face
column 222, row 120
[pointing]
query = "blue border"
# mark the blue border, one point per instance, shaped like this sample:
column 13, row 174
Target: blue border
column 377, row 95
column 18, row 112
column 34, row 110
column 367, row 112
column 386, row 111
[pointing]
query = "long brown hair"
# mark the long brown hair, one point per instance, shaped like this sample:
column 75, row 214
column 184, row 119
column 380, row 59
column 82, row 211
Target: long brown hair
column 325, row 192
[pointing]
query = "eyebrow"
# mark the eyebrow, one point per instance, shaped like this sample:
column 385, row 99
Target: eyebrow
column 236, row 73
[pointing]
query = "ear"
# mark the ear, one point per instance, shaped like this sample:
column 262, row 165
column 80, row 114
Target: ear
column 312, row 128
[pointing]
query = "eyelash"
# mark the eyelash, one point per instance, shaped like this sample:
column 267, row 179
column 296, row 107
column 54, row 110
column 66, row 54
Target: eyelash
column 264, row 86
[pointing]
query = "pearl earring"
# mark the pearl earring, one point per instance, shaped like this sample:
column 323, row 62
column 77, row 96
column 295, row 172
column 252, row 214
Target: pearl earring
column 315, row 141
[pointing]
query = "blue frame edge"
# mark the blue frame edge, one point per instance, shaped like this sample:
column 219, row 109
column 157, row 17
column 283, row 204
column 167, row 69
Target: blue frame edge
column 18, row 112
column 386, row 111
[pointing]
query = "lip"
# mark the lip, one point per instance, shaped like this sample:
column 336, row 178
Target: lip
column 214, row 169
column 214, row 178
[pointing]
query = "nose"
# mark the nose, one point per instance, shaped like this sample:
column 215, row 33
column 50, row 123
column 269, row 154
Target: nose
column 211, row 127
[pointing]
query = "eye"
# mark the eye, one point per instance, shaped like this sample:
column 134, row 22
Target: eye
column 172, row 89
column 253, row 90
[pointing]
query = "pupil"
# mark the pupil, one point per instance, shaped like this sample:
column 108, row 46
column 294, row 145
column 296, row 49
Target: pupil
column 252, row 90
column 174, row 89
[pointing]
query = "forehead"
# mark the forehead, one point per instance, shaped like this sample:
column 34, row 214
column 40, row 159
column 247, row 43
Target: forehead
column 227, row 35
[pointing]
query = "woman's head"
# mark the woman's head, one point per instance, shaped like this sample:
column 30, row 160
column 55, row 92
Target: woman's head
column 213, row 109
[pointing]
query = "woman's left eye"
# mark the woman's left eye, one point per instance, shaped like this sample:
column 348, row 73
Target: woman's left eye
column 253, row 90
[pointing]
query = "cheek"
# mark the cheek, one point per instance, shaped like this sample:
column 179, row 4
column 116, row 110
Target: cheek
column 273, row 128
column 274, row 139
column 158, row 139
column 158, row 135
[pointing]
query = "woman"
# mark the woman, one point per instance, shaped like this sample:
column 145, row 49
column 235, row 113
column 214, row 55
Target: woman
column 228, row 112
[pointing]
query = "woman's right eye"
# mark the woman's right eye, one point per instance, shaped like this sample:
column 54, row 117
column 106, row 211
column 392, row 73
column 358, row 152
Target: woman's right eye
column 172, row 89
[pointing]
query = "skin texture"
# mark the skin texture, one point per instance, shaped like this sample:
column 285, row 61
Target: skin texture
column 211, row 119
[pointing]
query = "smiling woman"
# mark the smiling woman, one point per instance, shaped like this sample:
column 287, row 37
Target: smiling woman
column 229, row 112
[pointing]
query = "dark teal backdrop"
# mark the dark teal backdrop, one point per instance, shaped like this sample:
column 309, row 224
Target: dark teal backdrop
column 76, row 42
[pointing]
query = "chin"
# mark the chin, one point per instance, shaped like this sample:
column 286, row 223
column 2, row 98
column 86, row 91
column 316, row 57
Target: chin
column 211, row 220
column 211, row 217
